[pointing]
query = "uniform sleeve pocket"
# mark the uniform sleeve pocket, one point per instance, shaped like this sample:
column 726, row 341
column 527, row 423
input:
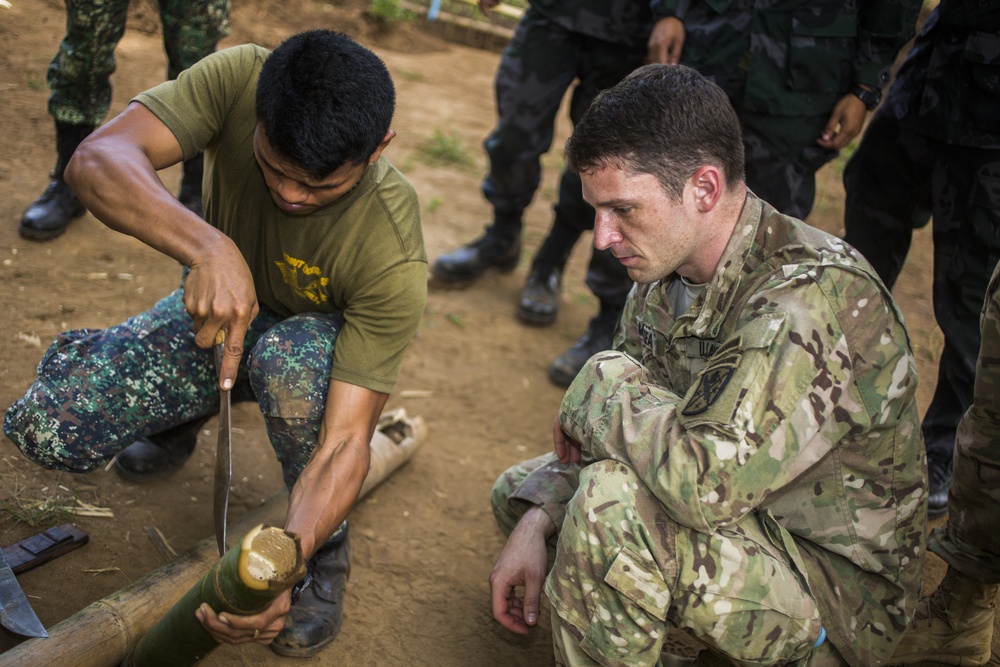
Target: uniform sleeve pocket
column 639, row 580
column 730, row 375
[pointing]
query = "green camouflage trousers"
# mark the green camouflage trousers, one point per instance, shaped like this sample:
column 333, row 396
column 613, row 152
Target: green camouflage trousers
column 79, row 76
column 969, row 541
column 625, row 573
column 99, row 389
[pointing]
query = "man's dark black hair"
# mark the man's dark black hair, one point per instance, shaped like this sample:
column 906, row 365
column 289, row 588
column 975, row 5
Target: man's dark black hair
column 324, row 101
column 663, row 120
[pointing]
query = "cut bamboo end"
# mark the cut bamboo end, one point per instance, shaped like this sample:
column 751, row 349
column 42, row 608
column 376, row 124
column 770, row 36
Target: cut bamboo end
column 270, row 558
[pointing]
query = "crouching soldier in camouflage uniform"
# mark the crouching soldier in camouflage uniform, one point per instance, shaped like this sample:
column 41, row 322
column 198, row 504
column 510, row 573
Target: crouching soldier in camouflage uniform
column 80, row 84
column 310, row 258
column 746, row 464
column 954, row 625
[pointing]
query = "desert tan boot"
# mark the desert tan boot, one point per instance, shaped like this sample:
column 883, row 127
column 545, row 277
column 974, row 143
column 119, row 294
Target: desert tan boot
column 952, row 626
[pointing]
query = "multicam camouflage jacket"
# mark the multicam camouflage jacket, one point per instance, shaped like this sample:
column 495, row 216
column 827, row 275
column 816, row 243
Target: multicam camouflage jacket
column 787, row 389
column 948, row 88
column 792, row 57
column 625, row 22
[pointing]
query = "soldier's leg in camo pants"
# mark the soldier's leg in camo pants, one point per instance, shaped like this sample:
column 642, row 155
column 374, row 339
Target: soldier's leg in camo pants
column 625, row 573
column 969, row 541
column 79, row 75
column 191, row 31
column 289, row 369
column 99, row 389
column 535, row 71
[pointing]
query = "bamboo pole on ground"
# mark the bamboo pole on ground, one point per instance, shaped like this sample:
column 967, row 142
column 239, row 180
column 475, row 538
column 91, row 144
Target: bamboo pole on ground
column 104, row 633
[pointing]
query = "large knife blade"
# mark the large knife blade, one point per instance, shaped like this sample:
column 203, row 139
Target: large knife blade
column 16, row 613
column 223, row 453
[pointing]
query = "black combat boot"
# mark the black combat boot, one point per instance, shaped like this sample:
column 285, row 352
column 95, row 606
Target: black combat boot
column 318, row 602
column 499, row 247
column 190, row 192
column 539, row 301
column 939, row 474
column 597, row 339
column 159, row 455
column 49, row 215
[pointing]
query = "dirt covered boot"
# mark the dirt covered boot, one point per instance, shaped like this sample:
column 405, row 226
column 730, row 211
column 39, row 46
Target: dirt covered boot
column 952, row 626
column 317, row 602
column 49, row 215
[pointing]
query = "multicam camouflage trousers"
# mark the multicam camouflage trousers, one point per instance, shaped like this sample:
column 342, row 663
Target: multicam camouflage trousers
column 79, row 76
column 969, row 541
column 98, row 390
column 625, row 574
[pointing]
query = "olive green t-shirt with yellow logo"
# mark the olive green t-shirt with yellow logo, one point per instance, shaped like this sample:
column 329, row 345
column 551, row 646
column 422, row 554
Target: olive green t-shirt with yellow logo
column 361, row 256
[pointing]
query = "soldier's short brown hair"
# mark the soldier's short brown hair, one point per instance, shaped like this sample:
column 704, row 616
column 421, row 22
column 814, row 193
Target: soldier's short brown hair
column 663, row 120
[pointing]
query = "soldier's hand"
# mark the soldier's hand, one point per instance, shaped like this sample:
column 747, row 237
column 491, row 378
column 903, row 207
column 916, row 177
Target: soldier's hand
column 219, row 294
column 566, row 448
column 666, row 41
column 522, row 563
column 233, row 629
column 845, row 123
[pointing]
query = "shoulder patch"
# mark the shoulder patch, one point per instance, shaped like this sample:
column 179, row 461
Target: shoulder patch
column 711, row 383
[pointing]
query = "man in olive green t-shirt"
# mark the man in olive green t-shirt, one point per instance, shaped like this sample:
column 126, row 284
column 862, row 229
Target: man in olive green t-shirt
column 310, row 259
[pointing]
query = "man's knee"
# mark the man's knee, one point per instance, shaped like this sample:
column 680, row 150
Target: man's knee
column 289, row 367
column 41, row 436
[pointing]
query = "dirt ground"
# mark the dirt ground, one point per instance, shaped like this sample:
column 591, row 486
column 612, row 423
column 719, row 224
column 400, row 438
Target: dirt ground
column 423, row 542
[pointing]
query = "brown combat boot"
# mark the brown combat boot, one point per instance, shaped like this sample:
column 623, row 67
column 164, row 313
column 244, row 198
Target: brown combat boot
column 952, row 626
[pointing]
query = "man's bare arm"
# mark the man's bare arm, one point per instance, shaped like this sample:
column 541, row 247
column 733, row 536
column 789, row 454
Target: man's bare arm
column 113, row 172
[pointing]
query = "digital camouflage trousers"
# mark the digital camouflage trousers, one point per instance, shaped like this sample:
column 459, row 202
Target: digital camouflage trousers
column 99, row 389
column 79, row 75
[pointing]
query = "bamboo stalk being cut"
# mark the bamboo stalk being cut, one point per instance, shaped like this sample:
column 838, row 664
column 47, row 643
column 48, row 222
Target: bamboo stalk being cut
column 104, row 633
column 244, row 581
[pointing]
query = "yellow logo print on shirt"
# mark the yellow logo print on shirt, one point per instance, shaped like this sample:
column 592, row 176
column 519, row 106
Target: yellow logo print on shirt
column 306, row 281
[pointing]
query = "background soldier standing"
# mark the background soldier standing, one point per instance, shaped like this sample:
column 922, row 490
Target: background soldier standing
column 556, row 43
column 933, row 150
column 80, row 85
column 801, row 75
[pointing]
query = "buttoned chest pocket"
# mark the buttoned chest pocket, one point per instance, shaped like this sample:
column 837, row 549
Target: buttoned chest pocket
column 733, row 376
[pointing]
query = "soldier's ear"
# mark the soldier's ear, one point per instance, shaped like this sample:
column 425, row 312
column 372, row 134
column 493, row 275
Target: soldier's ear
column 706, row 187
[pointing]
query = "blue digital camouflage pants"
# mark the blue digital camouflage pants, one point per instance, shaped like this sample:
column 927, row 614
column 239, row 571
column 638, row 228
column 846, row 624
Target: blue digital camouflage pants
column 79, row 76
column 98, row 390
column 625, row 573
